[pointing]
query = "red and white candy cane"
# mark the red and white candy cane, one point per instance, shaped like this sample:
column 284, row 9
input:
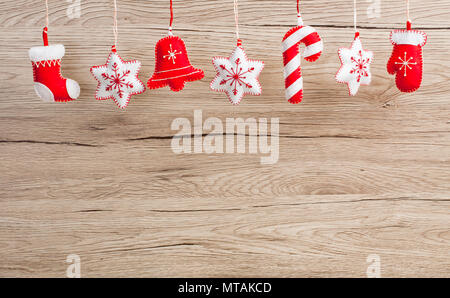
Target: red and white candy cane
column 292, row 57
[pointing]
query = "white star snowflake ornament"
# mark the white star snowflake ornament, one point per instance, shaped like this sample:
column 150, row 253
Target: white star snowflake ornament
column 237, row 75
column 118, row 79
column 355, row 68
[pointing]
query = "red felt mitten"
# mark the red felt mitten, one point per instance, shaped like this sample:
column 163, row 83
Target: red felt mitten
column 406, row 60
column 49, row 84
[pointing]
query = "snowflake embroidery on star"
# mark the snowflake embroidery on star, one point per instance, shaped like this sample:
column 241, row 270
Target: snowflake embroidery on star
column 118, row 80
column 360, row 66
column 237, row 75
column 405, row 63
column 355, row 68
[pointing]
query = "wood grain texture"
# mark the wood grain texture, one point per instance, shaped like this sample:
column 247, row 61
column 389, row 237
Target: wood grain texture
column 356, row 176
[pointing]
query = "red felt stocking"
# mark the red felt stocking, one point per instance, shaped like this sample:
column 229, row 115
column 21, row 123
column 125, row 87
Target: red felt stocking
column 49, row 84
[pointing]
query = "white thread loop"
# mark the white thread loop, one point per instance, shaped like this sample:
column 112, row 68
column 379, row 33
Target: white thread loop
column 115, row 28
column 171, row 18
column 236, row 18
column 46, row 13
column 299, row 16
column 355, row 15
column 299, row 20
column 407, row 11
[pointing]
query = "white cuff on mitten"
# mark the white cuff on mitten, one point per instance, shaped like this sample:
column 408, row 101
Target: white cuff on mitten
column 410, row 37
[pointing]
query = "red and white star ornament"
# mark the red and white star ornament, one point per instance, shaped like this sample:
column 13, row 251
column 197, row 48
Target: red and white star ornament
column 237, row 75
column 118, row 79
column 355, row 68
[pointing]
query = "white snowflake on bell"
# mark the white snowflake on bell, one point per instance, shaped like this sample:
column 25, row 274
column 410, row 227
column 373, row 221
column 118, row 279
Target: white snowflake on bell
column 355, row 68
column 237, row 75
column 118, row 79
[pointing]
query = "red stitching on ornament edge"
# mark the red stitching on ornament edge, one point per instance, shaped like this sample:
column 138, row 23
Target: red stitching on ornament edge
column 60, row 75
column 420, row 82
column 340, row 58
column 163, row 84
column 415, row 31
column 421, row 56
column 245, row 93
column 299, row 69
column 112, row 97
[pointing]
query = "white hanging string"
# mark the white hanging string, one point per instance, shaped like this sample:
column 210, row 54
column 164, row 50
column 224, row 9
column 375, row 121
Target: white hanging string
column 236, row 18
column 355, row 15
column 171, row 18
column 115, row 29
column 407, row 11
column 299, row 16
column 46, row 13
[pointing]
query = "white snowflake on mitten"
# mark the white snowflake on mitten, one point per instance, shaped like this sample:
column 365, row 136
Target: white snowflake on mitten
column 118, row 80
column 237, row 75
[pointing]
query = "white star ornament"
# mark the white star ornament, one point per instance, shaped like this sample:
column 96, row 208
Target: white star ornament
column 118, row 80
column 237, row 75
column 355, row 68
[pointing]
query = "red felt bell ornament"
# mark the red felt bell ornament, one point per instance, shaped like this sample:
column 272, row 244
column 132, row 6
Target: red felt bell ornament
column 172, row 66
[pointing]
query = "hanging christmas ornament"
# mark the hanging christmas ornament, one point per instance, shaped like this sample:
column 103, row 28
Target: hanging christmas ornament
column 172, row 66
column 406, row 60
column 355, row 68
column 117, row 79
column 49, row 84
column 292, row 56
column 237, row 75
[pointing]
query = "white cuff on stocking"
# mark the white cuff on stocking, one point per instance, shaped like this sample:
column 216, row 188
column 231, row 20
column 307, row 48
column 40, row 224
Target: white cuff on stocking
column 44, row 53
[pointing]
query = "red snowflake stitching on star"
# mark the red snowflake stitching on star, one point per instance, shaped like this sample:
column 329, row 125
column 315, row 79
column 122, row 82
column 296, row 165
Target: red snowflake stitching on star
column 118, row 80
column 360, row 66
column 236, row 77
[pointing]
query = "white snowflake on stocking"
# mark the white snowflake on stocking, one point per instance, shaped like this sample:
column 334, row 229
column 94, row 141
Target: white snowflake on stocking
column 355, row 68
column 237, row 75
column 118, row 80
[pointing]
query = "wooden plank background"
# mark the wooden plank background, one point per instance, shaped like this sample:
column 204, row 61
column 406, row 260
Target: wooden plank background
column 357, row 175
